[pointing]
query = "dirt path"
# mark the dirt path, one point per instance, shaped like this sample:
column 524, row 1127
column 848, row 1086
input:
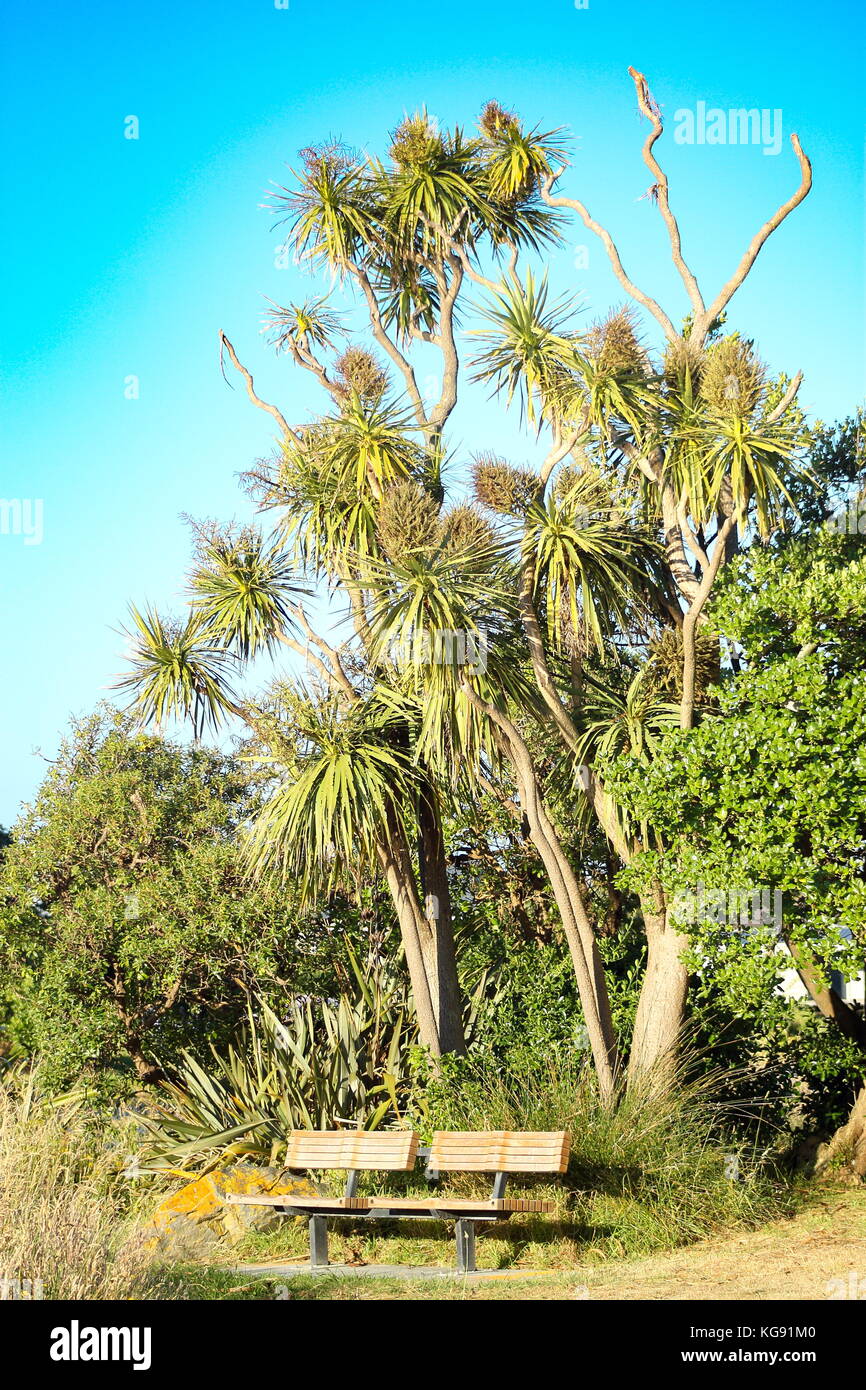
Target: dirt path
column 795, row 1259
column 817, row 1255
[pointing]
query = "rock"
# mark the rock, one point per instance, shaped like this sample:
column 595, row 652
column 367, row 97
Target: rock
column 192, row 1221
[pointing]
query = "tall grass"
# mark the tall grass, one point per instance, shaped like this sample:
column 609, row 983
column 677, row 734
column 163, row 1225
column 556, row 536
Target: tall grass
column 666, row 1167
column 66, row 1216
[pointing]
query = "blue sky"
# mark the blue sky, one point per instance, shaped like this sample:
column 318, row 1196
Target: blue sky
column 125, row 257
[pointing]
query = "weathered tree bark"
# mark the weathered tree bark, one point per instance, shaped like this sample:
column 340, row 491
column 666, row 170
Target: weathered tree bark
column 440, row 957
column 147, row 1072
column 579, row 935
column 661, row 1006
column 396, row 864
column 849, row 1141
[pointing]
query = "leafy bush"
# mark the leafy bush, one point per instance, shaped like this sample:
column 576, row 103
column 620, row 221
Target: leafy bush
column 330, row 1062
column 662, row 1169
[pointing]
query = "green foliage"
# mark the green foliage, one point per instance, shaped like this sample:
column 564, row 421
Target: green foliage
column 664, row 1168
column 812, row 593
column 323, row 1064
column 127, row 926
column 530, row 345
column 179, row 671
column 586, row 562
column 345, row 779
column 241, row 589
column 772, row 795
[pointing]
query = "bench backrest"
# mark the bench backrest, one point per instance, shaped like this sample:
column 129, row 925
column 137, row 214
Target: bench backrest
column 499, row 1151
column 352, row 1149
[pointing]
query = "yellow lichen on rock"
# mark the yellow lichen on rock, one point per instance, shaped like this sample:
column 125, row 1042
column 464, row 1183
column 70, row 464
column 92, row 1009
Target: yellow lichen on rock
column 191, row 1221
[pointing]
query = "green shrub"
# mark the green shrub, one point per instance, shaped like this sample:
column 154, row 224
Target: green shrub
column 664, row 1168
column 329, row 1062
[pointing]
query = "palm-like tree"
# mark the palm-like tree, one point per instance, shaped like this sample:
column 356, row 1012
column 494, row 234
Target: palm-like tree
column 179, row 671
column 345, row 779
column 530, row 344
column 655, row 463
column 243, row 588
column 589, row 564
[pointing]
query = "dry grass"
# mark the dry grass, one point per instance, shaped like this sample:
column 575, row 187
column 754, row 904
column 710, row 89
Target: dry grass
column 818, row 1255
column 66, row 1216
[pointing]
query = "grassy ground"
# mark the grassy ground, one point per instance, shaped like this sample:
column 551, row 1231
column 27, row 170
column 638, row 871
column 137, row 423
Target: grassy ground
column 622, row 1215
column 792, row 1259
column 657, row 1175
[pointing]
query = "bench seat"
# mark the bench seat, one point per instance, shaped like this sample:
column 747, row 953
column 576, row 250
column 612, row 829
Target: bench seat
column 290, row 1202
column 423, row 1205
column 499, row 1152
column 462, row 1204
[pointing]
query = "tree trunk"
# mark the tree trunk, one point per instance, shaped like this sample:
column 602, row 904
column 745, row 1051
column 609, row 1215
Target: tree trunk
column 849, row 1141
column 582, row 946
column 687, row 701
column 396, row 864
column 585, row 959
column 148, row 1073
column 850, row 1138
column 437, row 944
column 831, row 1005
column 661, row 1006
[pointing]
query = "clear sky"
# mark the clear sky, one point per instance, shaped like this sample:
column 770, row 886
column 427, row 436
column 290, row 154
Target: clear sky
column 124, row 257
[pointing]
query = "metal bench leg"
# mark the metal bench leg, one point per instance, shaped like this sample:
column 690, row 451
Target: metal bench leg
column 318, row 1242
column 465, row 1234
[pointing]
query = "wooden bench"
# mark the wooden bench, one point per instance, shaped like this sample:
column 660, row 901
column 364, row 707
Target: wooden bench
column 500, row 1152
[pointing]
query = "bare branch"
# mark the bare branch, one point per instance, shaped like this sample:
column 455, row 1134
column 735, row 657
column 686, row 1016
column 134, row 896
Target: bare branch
column 303, row 357
column 448, row 292
column 460, row 252
column 651, row 111
column 604, row 236
column 692, row 618
column 557, row 452
column 336, row 673
column 778, row 410
column 309, row 656
column 382, row 338
column 702, row 324
column 652, row 467
column 256, row 400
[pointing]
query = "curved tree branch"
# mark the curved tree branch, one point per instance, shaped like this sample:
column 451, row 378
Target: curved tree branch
column 651, row 111
column 226, row 346
column 778, row 410
column 703, row 322
column 605, row 237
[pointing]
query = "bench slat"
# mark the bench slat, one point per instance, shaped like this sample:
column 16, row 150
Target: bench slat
column 345, row 1149
column 502, row 1151
column 287, row 1200
column 406, row 1205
